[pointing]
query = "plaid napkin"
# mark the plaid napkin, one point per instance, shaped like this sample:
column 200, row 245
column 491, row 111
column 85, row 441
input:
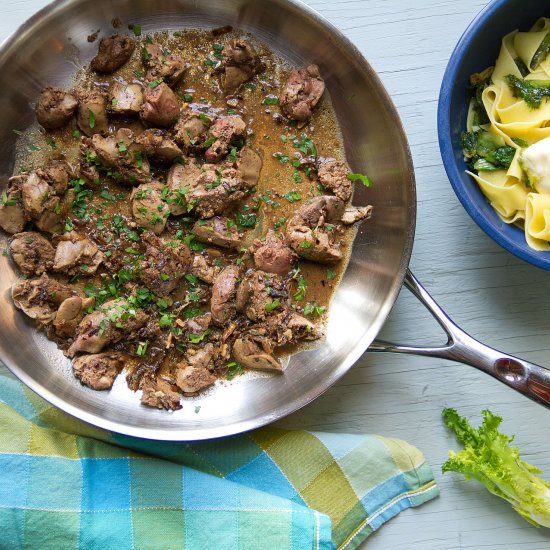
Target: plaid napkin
column 65, row 484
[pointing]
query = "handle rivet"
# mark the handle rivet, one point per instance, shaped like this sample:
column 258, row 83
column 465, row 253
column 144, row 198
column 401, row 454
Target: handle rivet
column 510, row 369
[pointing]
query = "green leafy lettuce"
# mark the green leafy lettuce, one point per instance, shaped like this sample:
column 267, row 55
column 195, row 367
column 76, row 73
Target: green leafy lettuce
column 488, row 457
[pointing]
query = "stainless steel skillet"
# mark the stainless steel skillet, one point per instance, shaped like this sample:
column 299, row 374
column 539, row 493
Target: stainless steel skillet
column 47, row 50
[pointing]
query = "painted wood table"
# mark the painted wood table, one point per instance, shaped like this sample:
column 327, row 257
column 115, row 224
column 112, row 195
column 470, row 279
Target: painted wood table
column 492, row 295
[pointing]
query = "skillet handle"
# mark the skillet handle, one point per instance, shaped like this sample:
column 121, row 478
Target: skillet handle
column 527, row 378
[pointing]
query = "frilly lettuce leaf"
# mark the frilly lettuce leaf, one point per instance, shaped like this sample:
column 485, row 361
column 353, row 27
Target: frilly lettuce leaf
column 488, row 457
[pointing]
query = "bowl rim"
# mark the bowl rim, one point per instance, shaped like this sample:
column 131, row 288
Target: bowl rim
column 540, row 259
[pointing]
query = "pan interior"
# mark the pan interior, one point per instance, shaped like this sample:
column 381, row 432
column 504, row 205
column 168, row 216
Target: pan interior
column 53, row 44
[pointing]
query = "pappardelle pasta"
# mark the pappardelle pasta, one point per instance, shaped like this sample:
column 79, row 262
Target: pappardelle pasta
column 507, row 142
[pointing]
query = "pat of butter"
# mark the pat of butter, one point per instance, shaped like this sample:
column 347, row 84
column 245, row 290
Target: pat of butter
column 536, row 163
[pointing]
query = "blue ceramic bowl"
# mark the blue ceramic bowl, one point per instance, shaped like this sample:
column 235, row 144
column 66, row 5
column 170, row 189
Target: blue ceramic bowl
column 476, row 50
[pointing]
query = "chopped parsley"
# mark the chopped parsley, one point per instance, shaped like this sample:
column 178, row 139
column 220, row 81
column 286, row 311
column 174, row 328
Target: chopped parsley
column 270, row 100
column 193, row 311
column 274, row 304
column 293, row 196
column 145, row 54
column 300, row 293
column 283, row 159
column 162, row 303
column 165, row 320
column 313, row 309
column 139, row 159
column 279, row 223
column 104, row 194
column 234, row 369
column 142, row 348
column 266, row 198
column 360, row 177
column 245, row 220
column 213, row 184
column 305, row 145
column 91, row 119
column 198, row 338
column 190, row 241
column 205, row 118
column 119, row 226
column 217, row 48
column 7, row 200
column 80, row 203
